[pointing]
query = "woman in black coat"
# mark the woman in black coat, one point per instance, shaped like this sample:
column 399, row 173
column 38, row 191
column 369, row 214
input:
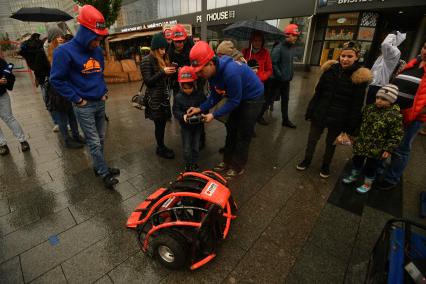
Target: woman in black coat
column 336, row 104
column 156, row 72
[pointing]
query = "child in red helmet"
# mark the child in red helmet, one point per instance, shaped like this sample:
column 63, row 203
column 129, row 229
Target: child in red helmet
column 191, row 128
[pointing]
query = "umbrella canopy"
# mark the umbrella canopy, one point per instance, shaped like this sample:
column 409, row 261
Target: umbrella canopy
column 40, row 14
column 244, row 29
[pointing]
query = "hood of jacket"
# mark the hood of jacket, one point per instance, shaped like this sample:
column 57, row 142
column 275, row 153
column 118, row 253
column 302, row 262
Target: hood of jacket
column 84, row 36
column 359, row 75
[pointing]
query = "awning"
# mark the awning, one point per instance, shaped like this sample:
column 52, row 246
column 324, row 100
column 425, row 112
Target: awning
column 127, row 36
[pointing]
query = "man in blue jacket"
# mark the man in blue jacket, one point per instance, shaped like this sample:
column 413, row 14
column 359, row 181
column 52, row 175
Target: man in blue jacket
column 244, row 93
column 77, row 74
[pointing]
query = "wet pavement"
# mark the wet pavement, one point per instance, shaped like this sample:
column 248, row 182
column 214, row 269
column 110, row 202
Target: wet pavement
column 59, row 225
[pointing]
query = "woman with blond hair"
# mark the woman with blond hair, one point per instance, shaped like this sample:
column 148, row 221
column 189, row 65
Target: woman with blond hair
column 156, row 71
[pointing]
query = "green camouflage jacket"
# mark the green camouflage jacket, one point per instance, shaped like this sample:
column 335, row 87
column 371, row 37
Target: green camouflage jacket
column 381, row 130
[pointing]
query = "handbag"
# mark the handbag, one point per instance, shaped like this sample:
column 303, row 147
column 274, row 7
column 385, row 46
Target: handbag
column 139, row 101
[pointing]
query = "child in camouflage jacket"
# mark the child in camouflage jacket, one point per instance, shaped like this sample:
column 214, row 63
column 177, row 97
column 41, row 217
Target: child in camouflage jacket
column 380, row 133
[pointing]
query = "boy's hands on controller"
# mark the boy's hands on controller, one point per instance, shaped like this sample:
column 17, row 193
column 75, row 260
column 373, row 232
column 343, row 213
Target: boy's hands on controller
column 193, row 111
column 386, row 155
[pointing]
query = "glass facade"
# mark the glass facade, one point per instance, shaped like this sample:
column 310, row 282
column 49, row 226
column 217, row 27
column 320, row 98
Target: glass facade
column 142, row 11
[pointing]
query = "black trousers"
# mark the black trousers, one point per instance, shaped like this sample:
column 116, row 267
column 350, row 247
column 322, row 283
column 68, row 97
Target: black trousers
column 369, row 165
column 269, row 97
column 160, row 128
column 281, row 90
column 315, row 133
column 239, row 131
column 371, row 94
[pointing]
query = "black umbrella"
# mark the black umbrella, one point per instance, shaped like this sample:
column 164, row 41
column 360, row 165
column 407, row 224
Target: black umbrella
column 40, row 14
column 244, row 29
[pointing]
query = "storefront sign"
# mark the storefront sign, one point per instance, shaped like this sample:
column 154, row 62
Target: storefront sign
column 323, row 3
column 148, row 26
column 217, row 16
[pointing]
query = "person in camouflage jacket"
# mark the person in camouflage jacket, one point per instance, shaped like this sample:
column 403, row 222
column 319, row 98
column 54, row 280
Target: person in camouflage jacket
column 380, row 133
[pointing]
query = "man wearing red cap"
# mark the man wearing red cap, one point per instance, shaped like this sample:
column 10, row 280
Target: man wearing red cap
column 282, row 65
column 77, row 74
column 244, row 92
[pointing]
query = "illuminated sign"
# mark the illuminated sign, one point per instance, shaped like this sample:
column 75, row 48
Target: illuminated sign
column 217, row 16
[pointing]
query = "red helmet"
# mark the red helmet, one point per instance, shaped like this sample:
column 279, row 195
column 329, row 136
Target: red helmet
column 179, row 33
column 186, row 75
column 168, row 34
column 292, row 29
column 201, row 53
column 92, row 19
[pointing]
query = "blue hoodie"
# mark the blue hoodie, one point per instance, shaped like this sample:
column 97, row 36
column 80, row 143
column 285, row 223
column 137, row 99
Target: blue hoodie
column 237, row 81
column 77, row 70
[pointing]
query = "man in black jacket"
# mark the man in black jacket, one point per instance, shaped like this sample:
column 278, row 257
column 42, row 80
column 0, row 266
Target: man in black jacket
column 282, row 65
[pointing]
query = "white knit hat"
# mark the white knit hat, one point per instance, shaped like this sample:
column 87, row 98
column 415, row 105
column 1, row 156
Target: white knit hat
column 389, row 92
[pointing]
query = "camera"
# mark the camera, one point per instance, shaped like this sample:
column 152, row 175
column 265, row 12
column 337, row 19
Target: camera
column 196, row 119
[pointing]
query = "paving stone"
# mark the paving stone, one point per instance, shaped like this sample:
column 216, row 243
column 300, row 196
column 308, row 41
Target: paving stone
column 335, row 231
column 34, row 234
column 265, row 262
column 17, row 219
column 104, row 280
column 315, row 265
column 100, row 258
column 4, row 207
column 10, row 271
column 55, row 275
column 76, row 239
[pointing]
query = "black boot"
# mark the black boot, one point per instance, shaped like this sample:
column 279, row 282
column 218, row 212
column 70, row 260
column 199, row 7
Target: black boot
column 262, row 121
column 72, row 144
column 164, row 152
column 112, row 171
column 109, row 181
column 79, row 139
column 4, row 150
column 289, row 124
column 25, row 146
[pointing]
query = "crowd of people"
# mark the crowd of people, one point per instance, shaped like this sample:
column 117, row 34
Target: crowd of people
column 235, row 87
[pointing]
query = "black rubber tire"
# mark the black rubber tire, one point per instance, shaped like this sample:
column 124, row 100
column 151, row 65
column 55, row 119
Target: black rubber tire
column 176, row 244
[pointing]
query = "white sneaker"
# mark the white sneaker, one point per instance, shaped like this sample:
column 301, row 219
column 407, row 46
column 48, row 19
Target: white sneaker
column 55, row 128
column 69, row 127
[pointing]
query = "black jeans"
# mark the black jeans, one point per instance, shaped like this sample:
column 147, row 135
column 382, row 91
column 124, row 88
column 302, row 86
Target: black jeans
column 371, row 94
column 281, row 90
column 315, row 133
column 63, row 118
column 191, row 143
column 160, row 128
column 370, row 166
column 269, row 97
column 239, row 131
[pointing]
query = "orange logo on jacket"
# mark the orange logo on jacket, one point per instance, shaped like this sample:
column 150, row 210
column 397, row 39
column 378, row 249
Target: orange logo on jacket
column 91, row 66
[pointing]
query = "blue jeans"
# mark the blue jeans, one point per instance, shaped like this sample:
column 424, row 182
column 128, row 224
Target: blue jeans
column 191, row 143
column 92, row 121
column 7, row 116
column 400, row 157
column 63, row 118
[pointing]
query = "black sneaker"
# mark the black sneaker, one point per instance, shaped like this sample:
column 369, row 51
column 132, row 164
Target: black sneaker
column 4, row 150
column 165, row 152
column 385, row 185
column 188, row 168
column 72, row 144
column 195, row 167
column 79, row 139
column 262, row 121
column 325, row 171
column 288, row 124
column 303, row 165
column 112, row 171
column 25, row 146
column 109, row 181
